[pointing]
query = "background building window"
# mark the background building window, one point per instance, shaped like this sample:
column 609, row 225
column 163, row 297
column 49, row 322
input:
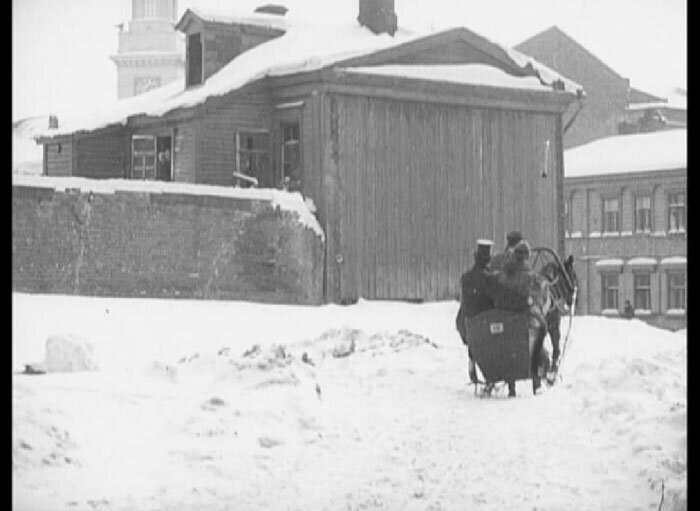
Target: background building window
column 143, row 157
column 291, row 157
column 194, row 59
column 145, row 83
column 611, row 215
column 642, row 291
column 252, row 157
column 676, row 290
column 610, row 286
column 676, row 212
column 567, row 216
column 642, row 213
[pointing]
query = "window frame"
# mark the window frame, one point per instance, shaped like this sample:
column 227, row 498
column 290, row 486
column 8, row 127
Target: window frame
column 672, row 206
column 649, row 216
column 143, row 154
column 284, row 144
column 604, row 275
column 618, row 214
column 670, row 288
column 636, row 289
column 264, row 152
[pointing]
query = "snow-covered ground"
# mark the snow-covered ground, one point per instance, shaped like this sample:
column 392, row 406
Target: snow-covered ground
column 231, row 405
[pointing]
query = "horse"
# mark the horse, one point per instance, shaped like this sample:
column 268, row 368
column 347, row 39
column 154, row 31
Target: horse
column 553, row 299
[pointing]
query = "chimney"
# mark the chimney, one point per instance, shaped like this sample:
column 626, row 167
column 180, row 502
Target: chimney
column 378, row 15
column 53, row 122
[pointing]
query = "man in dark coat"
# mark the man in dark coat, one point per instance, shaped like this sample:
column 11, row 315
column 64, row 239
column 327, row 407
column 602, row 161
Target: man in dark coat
column 500, row 259
column 476, row 297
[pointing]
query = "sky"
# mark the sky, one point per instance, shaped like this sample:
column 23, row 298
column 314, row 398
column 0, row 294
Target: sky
column 61, row 49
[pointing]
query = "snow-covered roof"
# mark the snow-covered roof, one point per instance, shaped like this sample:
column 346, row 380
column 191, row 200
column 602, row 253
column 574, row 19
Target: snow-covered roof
column 474, row 74
column 659, row 104
column 675, row 260
column 229, row 16
column 288, row 201
column 642, row 261
column 609, row 263
column 306, row 45
column 642, row 152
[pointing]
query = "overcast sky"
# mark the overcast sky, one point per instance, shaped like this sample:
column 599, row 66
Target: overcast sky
column 61, row 49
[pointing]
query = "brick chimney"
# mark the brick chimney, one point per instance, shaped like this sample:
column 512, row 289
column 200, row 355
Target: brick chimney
column 53, row 122
column 378, row 15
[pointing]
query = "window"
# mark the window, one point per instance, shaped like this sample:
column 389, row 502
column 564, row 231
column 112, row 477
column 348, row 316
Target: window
column 291, row 157
column 611, row 215
column 610, row 286
column 642, row 213
column 145, row 83
column 194, row 59
column 676, row 290
column 567, row 217
column 252, row 157
column 143, row 157
column 676, row 212
column 642, row 291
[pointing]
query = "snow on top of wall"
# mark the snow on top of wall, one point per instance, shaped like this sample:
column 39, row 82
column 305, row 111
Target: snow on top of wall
column 609, row 262
column 475, row 74
column 642, row 261
column 313, row 40
column 674, row 260
column 263, row 20
column 642, row 152
column 288, row 201
column 660, row 105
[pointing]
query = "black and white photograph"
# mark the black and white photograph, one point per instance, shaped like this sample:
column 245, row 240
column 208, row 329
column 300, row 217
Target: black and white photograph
column 349, row 255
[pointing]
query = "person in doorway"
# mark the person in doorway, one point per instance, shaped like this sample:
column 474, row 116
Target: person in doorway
column 475, row 297
column 164, row 165
column 629, row 310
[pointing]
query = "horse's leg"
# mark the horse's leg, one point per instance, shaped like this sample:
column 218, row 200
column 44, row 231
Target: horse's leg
column 553, row 324
column 536, row 340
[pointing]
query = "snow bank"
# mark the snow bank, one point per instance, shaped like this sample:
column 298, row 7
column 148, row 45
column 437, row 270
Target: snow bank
column 656, row 151
column 365, row 406
column 69, row 354
column 287, row 201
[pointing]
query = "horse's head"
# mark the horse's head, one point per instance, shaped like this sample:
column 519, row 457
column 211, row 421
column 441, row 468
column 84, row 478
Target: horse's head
column 563, row 285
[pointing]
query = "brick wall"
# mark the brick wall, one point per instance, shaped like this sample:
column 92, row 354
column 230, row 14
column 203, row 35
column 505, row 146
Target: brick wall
column 162, row 245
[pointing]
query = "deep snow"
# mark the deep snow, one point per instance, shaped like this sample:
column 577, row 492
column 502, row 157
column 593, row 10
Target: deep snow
column 232, row 405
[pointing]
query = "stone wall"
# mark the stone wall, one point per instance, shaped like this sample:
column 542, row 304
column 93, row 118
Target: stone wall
column 162, row 244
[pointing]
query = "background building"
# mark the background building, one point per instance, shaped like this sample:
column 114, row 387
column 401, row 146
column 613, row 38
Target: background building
column 608, row 95
column 151, row 51
column 626, row 225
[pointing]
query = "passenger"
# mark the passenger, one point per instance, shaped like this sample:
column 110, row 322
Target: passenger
column 475, row 298
column 521, row 289
column 500, row 259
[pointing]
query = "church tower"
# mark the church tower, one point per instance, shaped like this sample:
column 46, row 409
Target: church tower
column 151, row 51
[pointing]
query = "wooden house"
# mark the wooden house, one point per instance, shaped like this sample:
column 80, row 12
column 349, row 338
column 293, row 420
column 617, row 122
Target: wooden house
column 410, row 146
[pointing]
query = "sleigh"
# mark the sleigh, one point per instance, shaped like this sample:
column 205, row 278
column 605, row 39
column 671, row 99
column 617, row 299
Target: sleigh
column 499, row 339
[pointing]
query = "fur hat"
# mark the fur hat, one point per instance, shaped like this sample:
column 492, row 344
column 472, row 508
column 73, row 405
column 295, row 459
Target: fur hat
column 522, row 250
column 513, row 238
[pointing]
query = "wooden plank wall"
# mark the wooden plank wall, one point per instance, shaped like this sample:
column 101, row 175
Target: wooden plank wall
column 101, row 156
column 217, row 136
column 59, row 163
column 184, row 153
column 416, row 184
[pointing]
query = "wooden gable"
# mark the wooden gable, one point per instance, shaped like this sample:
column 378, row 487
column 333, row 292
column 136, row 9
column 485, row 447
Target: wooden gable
column 456, row 46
